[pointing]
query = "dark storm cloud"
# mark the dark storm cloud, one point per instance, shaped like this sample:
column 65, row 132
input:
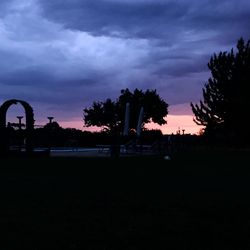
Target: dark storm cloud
column 150, row 19
column 43, row 78
column 27, row 77
column 66, row 54
column 186, row 66
column 132, row 19
column 182, row 35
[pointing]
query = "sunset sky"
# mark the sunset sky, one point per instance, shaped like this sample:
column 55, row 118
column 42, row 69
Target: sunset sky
column 61, row 55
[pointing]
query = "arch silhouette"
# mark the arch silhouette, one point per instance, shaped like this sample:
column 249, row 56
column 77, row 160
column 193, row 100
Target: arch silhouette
column 29, row 115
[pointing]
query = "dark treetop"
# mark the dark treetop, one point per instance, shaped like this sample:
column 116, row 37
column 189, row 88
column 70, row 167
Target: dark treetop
column 226, row 97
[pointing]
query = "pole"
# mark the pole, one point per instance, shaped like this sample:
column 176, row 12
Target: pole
column 19, row 132
column 19, row 122
column 126, row 121
column 139, row 124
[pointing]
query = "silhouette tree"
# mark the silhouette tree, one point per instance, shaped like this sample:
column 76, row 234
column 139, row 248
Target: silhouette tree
column 226, row 97
column 52, row 125
column 102, row 114
column 110, row 114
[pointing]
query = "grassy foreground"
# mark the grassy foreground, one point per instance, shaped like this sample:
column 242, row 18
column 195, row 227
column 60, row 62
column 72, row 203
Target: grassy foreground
column 128, row 203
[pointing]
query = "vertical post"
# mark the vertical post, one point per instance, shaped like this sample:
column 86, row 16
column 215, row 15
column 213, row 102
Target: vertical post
column 139, row 124
column 139, row 128
column 19, row 132
column 19, row 122
column 126, row 121
column 50, row 118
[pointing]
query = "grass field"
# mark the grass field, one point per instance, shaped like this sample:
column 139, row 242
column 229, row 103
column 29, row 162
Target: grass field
column 198, row 202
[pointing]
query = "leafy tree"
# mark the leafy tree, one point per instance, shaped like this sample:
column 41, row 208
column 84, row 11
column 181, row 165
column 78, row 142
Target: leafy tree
column 111, row 114
column 226, row 98
column 102, row 114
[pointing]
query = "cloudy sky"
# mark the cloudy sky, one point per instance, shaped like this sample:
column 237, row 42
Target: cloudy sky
column 61, row 55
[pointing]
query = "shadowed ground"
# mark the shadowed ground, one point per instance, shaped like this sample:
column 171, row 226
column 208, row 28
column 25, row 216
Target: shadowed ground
column 128, row 203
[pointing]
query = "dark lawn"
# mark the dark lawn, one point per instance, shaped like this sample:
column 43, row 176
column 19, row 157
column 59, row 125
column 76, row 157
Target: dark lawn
column 130, row 203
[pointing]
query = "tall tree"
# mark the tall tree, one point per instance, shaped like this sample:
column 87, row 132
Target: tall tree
column 111, row 114
column 226, row 98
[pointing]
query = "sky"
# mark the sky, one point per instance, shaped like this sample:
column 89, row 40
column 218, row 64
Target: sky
column 61, row 55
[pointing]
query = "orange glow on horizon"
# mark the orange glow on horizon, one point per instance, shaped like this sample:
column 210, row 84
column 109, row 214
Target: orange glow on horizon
column 175, row 123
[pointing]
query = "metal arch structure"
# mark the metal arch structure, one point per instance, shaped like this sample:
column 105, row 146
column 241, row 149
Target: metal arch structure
column 29, row 115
